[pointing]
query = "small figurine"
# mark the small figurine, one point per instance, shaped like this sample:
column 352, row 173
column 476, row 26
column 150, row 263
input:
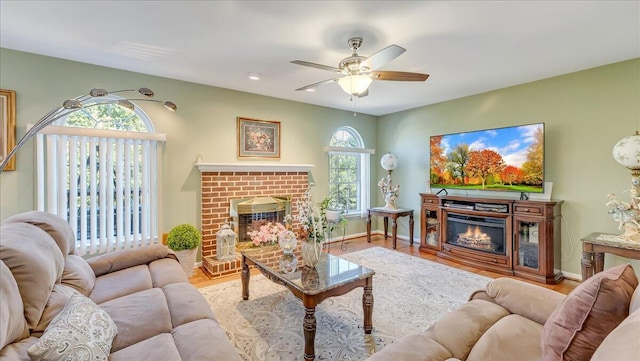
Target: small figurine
column 627, row 214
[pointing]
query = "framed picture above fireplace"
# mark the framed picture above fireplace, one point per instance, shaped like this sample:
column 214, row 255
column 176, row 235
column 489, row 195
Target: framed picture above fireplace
column 258, row 138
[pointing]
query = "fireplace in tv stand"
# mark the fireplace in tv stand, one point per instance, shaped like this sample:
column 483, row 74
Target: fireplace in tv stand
column 512, row 237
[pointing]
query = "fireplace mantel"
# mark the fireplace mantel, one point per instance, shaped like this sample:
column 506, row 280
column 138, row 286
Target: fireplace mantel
column 253, row 167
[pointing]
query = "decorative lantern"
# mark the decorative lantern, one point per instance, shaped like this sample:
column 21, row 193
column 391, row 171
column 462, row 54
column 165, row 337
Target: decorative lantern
column 225, row 243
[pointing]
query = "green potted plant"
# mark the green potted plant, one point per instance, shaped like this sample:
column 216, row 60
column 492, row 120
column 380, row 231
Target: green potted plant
column 184, row 241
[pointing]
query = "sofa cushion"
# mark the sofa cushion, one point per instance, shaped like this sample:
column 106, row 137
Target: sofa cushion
column 78, row 275
column 17, row 351
column 139, row 316
column 593, row 309
column 119, row 260
column 414, row 348
column 622, row 343
column 539, row 304
column 511, row 335
column 60, row 296
column 54, row 225
column 81, row 331
column 160, row 347
column 186, row 304
column 121, row 283
column 634, row 305
column 165, row 271
column 203, row 340
column 13, row 326
column 458, row 331
column 35, row 262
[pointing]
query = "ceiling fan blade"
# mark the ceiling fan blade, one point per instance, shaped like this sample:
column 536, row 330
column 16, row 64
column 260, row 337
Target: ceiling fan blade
column 317, row 66
column 381, row 58
column 398, row 76
column 315, row 85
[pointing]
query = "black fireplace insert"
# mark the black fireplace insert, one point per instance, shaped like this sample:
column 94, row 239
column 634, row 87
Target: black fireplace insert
column 486, row 234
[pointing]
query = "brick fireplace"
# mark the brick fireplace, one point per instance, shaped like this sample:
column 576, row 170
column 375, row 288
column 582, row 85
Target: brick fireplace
column 220, row 183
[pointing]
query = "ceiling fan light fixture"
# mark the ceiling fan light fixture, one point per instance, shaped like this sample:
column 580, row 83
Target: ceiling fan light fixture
column 355, row 84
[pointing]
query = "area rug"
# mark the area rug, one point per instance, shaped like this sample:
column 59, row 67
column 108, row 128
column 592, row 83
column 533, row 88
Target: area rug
column 409, row 295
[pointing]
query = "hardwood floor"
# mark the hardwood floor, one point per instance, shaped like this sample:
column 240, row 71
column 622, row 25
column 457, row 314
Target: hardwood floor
column 199, row 279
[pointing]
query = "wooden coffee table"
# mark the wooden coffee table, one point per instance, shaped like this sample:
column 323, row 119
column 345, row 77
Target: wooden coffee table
column 332, row 276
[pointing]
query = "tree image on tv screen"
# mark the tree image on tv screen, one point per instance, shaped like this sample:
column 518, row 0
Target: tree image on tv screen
column 505, row 159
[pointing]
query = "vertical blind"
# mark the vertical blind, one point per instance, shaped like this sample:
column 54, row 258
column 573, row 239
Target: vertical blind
column 103, row 182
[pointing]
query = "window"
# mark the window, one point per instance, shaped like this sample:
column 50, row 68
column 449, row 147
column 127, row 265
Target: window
column 349, row 170
column 97, row 169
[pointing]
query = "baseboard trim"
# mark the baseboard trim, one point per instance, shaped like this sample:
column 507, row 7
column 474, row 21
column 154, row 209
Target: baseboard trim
column 572, row 276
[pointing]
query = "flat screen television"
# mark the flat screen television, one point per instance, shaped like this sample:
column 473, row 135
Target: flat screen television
column 502, row 159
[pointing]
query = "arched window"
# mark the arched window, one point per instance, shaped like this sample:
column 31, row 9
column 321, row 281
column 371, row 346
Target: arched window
column 349, row 170
column 97, row 168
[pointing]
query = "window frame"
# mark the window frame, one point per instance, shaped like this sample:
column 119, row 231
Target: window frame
column 363, row 174
column 88, row 243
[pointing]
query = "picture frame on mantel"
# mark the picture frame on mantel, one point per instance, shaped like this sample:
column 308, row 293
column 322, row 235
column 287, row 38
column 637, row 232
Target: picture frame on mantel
column 258, row 138
column 7, row 126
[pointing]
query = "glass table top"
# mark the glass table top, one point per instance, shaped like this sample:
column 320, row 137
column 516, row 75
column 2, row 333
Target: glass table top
column 330, row 272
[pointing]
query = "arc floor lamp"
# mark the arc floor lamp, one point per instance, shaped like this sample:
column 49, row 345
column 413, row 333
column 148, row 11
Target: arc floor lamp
column 95, row 97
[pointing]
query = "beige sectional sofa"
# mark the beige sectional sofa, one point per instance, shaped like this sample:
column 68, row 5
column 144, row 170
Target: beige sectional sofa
column 130, row 305
column 513, row 320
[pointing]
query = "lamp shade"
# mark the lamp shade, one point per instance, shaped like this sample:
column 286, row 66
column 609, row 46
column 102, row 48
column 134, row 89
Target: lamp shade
column 389, row 162
column 355, row 84
column 627, row 152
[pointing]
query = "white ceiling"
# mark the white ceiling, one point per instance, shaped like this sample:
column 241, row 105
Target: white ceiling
column 467, row 47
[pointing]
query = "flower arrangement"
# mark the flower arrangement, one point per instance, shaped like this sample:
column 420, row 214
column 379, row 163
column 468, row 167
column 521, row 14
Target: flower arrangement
column 311, row 219
column 266, row 234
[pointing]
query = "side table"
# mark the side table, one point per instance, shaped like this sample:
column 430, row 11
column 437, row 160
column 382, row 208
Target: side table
column 595, row 245
column 393, row 214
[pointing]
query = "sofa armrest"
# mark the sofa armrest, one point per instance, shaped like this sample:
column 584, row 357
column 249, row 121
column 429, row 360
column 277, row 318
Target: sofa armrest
column 525, row 299
column 119, row 260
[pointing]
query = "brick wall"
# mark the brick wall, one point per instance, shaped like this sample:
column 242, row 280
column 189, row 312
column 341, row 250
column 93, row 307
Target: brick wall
column 218, row 188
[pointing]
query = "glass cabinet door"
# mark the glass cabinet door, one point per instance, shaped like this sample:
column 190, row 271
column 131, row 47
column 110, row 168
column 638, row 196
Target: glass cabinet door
column 528, row 244
column 433, row 226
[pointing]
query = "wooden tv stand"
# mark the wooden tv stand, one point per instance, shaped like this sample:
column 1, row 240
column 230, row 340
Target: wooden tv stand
column 531, row 231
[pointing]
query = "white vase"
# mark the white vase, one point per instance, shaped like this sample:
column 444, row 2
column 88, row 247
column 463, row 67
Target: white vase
column 311, row 252
column 187, row 259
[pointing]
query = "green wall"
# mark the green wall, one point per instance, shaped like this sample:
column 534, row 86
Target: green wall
column 585, row 114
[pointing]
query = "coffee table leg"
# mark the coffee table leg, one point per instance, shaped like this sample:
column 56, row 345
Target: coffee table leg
column 309, row 327
column 367, row 306
column 245, row 279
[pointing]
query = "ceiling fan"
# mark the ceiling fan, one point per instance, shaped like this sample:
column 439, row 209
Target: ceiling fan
column 359, row 71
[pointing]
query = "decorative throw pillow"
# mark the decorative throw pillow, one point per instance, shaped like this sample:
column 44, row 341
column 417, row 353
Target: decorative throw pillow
column 576, row 328
column 81, row 331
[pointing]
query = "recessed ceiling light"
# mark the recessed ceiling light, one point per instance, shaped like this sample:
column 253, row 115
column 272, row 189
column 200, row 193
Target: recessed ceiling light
column 254, row 76
column 311, row 89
